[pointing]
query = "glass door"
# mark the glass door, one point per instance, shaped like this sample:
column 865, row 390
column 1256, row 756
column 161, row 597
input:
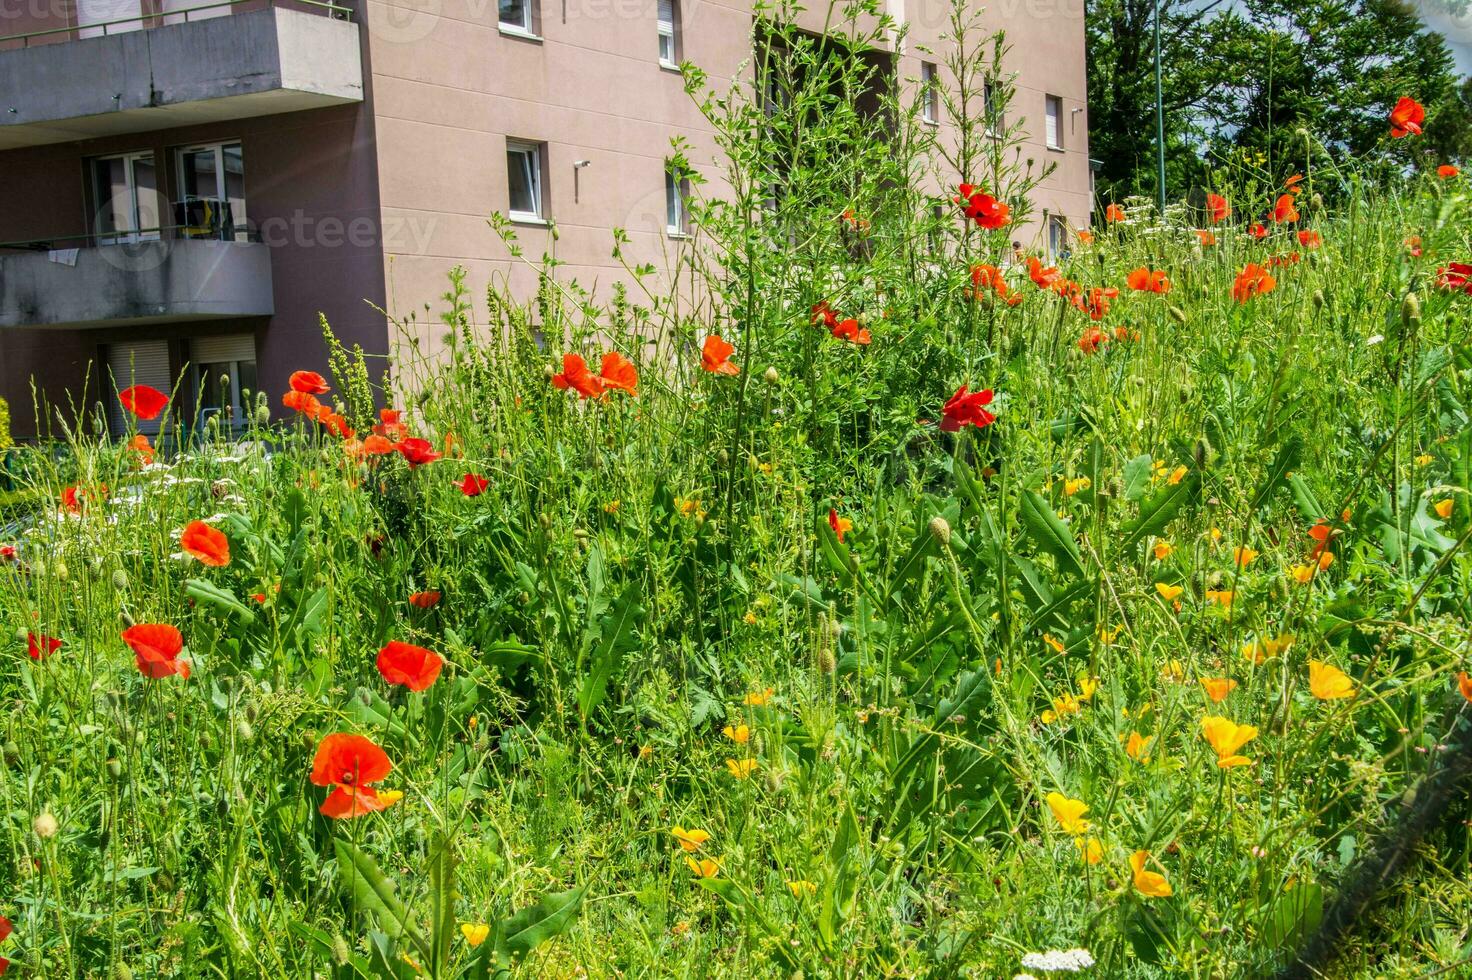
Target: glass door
column 212, row 192
column 125, row 198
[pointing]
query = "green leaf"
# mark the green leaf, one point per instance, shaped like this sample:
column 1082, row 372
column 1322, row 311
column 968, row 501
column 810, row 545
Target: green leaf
column 617, row 636
column 1050, row 534
column 442, row 897
column 1284, row 463
column 834, row 551
column 210, row 594
column 322, row 943
column 374, row 893
column 1137, row 477
column 1160, row 509
column 538, row 923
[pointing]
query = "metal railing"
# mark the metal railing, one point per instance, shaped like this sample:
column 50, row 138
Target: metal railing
column 149, row 21
column 96, row 239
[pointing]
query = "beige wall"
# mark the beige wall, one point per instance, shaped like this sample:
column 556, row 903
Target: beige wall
column 450, row 88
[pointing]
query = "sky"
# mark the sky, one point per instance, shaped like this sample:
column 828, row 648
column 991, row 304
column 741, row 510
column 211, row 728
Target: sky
column 1456, row 30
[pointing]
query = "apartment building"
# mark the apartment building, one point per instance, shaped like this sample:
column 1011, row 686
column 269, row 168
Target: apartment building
column 185, row 184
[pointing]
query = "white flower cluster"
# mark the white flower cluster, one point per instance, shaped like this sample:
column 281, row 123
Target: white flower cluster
column 1059, row 960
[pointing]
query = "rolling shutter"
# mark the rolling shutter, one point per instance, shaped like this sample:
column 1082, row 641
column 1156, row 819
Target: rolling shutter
column 138, row 362
column 215, row 350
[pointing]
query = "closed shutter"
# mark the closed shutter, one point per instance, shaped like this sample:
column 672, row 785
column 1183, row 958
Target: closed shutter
column 138, row 362
column 1055, row 108
column 216, row 350
column 666, row 13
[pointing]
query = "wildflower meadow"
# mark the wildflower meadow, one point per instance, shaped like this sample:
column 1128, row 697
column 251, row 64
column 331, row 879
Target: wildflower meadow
column 853, row 598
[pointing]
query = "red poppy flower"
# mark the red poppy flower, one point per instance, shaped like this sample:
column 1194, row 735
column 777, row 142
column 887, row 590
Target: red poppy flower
column 840, row 525
column 1413, row 246
column 1095, row 301
column 389, row 426
column 1252, row 281
column 1205, row 237
column 575, row 375
column 967, row 408
column 258, row 597
column 1113, row 213
column 308, row 381
column 1309, row 238
column 715, row 356
column 207, row 544
column 377, row 445
column 5, row 928
column 348, row 763
column 39, row 647
column 139, row 444
column 618, row 373
column 985, row 210
column 1284, row 209
column 73, row 498
column 473, row 485
column 425, row 600
column 413, row 667
column 417, row 452
column 850, row 331
column 1257, row 231
column 334, row 423
column 302, row 402
column 1322, row 534
column 1446, row 171
column 1042, row 277
column 156, row 648
column 143, row 401
column 1406, row 118
column 1217, row 208
column 1146, row 281
column 1291, row 258
column 1092, row 340
column 823, row 315
column 7, row 552
column 1455, row 276
column 1291, row 184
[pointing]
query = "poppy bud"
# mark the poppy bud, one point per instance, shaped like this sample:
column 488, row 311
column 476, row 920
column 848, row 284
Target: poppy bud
column 1410, row 309
column 1177, row 314
column 309, row 741
column 120, row 580
column 38, row 568
column 251, row 711
column 114, row 768
column 774, row 780
column 340, row 952
column 549, row 372
column 12, row 754
column 263, row 415
column 243, row 731
column 940, row 529
column 826, row 661
column 770, row 376
column 1318, row 201
column 126, row 618
column 120, row 971
column 723, row 457
column 545, row 521
column 60, row 572
column 44, row 825
column 1318, row 299
column 94, row 569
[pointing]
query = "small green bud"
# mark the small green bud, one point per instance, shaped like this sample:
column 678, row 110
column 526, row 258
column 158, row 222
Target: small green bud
column 120, row 580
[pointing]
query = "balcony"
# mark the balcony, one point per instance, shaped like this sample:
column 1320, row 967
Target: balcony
column 162, row 275
column 161, row 70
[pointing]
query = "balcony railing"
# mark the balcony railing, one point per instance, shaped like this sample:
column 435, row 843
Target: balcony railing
column 148, row 21
column 198, row 219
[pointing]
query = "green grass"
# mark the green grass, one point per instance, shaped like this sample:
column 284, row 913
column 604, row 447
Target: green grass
column 638, row 566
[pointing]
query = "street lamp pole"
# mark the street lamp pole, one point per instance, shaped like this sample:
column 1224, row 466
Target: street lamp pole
column 1159, row 118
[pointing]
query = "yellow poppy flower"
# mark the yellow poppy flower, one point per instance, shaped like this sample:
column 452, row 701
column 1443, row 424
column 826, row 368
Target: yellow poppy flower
column 1071, row 487
column 1151, row 884
column 1303, row 574
column 1217, row 688
column 691, row 840
column 1327, row 682
column 741, row 768
column 1215, row 534
column 1048, row 717
column 740, row 734
column 1174, row 670
column 1424, row 459
column 757, row 699
column 1176, row 475
column 1163, row 550
column 704, row 868
column 1222, row 597
column 1138, row 747
column 1107, row 635
column 1089, row 849
column 1168, row 592
column 1066, row 704
column 750, row 618
column 1243, row 556
column 389, row 797
column 1086, row 688
column 1443, row 508
column 1069, row 813
column 1225, row 738
column 1464, row 685
column 801, row 889
column 1048, row 639
column 475, row 933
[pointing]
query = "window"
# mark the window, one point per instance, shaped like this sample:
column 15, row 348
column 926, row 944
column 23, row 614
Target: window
column 524, row 178
column 225, row 371
column 669, row 47
column 929, row 93
column 991, row 107
column 1057, row 235
column 211, row 192
column 125, row 199
column 676, row 191
column 516, row 17
column 1053, row 130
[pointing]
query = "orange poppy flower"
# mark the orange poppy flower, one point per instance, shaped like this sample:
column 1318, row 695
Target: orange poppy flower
column 1464, row 685
column 575, row 375
column 1217, row 688
column 1113, row 213
column 1447, row 171
column 715, row 356
column 335, row 424
column 302, row 402
column 205, row 543
column 1406, row 118
column 1206, row 238
column 417, row 452
column 389, row 426
column 1092, row 340
column 1309, row 238
column 1146, row 281
column 40, row 646
column 840, row 525
column 619, row 374
column 1217, row 208
column 408, row 665
column 377, row 445
column 1257, row 230
column 1291, row 184
column 308, row 381
column 72, row 498
column 1087, row 237
column 143, row 401
column 348, row 763
column 473, row 485
column 156, row 648
column 139, row 444
column 1252, row 281
column 1285, row 209
column 1225, row 738
column 1043, row 278
column 1095, row 301
column 425, row 600
column 850, row 331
